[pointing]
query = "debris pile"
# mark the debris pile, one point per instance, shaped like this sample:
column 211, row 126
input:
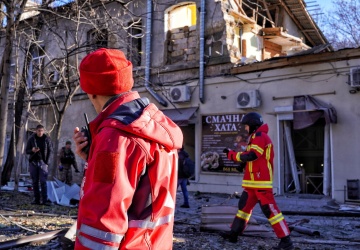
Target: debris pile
column 328, row 227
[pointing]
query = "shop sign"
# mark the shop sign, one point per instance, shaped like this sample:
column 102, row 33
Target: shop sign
column 219, row 132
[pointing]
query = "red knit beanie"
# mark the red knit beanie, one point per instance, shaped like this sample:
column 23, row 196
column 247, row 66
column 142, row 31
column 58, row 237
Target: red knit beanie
column 106, row 72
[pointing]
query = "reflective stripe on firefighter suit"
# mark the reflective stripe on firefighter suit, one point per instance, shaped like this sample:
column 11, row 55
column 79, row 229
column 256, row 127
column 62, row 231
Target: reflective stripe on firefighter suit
column 128, row 192
column 257, row 183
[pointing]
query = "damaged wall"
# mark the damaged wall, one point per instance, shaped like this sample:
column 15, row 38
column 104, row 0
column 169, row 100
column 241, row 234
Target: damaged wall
column 181, row 45
column 244, row 32
column 233, row 39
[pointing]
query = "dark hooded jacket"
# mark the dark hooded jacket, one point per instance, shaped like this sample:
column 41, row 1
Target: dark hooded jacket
column 182, row 156
column 44, row 154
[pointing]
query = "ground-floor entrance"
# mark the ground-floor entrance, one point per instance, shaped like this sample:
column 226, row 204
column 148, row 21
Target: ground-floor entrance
column 309, row 154
column 304, row 158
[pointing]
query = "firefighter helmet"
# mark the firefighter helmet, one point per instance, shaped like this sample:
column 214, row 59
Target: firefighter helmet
column 253, row 120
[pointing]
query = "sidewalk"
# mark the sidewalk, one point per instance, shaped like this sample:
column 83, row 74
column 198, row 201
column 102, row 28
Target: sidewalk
column 323, row 223
column 291, row 203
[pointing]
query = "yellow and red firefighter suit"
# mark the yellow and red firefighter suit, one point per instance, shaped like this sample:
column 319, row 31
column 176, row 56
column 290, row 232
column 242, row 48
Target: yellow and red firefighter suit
column 257, row 183
column 127, row 196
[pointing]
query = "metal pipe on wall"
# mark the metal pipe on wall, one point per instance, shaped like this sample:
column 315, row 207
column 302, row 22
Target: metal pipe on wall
column 202, row 49
column 157, row 97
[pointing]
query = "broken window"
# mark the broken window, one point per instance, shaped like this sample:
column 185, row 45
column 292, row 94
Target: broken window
column 266, row 30
column 181, row 37
column 181, row 16
column 237, row 38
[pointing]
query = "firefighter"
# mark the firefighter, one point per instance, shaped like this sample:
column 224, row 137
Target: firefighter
column 128, row 193
column 257, row 182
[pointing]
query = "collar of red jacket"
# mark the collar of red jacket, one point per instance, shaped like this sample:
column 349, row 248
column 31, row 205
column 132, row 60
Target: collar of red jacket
column 263, row 128
column 152, row 124
column 126, row 97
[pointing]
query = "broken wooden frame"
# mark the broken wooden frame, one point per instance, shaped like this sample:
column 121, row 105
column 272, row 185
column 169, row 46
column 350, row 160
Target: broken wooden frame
column 33, row 238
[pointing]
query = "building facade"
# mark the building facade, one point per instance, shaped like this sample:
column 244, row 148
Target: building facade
column 205, row 64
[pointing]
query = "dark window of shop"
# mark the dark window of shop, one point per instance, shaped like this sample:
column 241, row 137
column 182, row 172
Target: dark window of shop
column 189, row 141
column 309, row 154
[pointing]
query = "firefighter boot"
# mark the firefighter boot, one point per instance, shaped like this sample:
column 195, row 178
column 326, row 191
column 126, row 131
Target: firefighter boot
column 285, row 244
column 229, row 235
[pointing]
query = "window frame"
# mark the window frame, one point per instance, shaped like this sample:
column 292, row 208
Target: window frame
column 167, row 17
column 37, row 54
column 135, row 40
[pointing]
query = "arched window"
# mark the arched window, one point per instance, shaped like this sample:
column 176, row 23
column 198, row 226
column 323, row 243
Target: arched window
column 180, row 15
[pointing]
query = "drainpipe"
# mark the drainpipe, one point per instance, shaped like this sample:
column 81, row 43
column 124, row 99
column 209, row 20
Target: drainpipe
column 202, row 48
column 157, row 97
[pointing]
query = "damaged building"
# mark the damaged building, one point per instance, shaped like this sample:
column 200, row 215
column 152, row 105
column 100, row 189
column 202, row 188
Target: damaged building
column 205, row 63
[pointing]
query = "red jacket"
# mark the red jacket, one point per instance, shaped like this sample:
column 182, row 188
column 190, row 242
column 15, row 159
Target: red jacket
column 259, row 157
column 128, row 192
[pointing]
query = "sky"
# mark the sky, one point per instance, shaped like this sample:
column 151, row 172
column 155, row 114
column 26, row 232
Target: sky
column 56, row 3
column 324, row 4
column 319, row 9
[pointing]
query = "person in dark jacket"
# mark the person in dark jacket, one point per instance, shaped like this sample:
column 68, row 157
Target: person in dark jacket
column 67, row 159
column 182, row 178
column 39, row 148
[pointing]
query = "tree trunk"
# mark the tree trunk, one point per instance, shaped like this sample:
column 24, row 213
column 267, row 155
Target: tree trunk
column 5, row 79
column 20, row 145
column 57, row 133
column 12, row 152
column 9, row 163
column 11, row 23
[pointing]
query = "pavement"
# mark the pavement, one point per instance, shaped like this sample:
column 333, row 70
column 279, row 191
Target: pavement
column 291, row 203
column 320, row 222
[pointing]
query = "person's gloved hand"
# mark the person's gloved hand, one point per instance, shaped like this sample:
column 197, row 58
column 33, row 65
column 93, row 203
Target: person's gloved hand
column 77, row 171
column 227, row 151
column 230, row 154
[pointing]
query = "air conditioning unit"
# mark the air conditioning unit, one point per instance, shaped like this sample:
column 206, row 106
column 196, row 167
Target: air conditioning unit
column 248, row 99
column 180, row 94
column 355, row 77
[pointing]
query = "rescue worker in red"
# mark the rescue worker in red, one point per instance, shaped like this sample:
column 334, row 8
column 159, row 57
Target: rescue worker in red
column 257, row 182
column 127, row 197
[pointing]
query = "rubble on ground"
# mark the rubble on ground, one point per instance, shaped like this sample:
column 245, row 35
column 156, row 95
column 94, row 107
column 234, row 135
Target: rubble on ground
column 19, row 218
